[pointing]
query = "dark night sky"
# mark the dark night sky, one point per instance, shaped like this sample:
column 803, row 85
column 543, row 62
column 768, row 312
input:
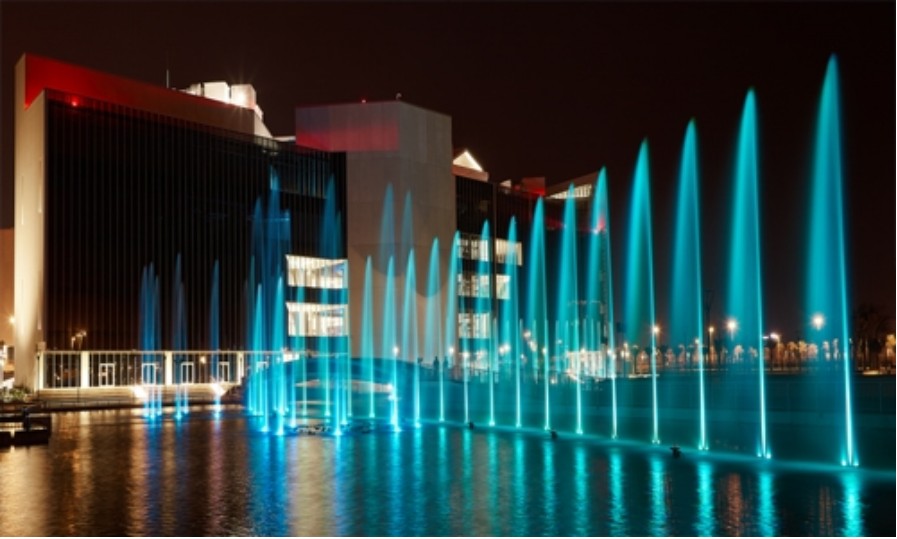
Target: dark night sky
column 546, row 89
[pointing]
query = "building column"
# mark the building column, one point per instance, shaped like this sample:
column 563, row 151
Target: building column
column 169, row 369
column 85, row 369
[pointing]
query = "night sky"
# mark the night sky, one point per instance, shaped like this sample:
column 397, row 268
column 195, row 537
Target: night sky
column 550, row 90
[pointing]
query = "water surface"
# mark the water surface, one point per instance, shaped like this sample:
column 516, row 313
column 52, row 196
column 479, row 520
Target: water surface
column 116, row 473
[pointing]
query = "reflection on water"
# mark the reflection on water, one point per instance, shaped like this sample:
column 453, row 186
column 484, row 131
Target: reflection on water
column 219, row 476
column 766, row 505
column 658, row 497
column 852, row 507
column 705, row 521
column 618, row 515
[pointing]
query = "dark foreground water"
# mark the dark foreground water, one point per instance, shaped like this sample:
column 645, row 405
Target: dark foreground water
column 115, row 473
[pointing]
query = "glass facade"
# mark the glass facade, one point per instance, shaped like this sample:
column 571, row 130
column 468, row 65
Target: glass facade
column 203, row 212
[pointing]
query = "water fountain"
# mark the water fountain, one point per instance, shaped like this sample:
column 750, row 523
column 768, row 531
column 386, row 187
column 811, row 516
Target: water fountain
column 745, row 292
column 641, row 327
column 547, row 352
column 686, row 318
column 826, row 292
column 600, row 288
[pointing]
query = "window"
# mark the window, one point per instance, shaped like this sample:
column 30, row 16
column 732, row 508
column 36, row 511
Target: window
column 309, row 272
column 502, row 286
column 474, row 248
column 317, row 320
column 473, row 285
column 474, row 326
column 504, row 249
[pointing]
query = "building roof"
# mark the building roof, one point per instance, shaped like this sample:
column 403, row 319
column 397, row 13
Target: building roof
column 44, row 73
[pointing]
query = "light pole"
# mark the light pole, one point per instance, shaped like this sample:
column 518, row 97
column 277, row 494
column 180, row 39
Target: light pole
column 731, row 326
column 818, row 322
column 776, row 338
column 711, row 351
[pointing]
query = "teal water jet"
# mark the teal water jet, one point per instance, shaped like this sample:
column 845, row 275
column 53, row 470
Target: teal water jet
column 179, row 340
column 600, row 287
column 568, row 303
column 640, row 320
column 367, row 335
column 537, row 302
column 745, row 277
column 215, row 330
column 510, row 314
column 483, row 324
column 686, row 319
column 409, row 333
column 433, row 335
column 826, row 284
column 390, row 345
column 451, row 314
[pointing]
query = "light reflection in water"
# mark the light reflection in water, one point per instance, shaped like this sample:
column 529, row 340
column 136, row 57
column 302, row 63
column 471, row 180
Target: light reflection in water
column 207, row 477
column 705, row 523
column 417, row 479
column 521, row 494
column 467, row 475
column 617, row 507
column 658, row 525
column 734, row 512
column 550, row 482
column 852, row 507
column 395, row 489
column 581, row 481
column 494, row 505
column 766, row 514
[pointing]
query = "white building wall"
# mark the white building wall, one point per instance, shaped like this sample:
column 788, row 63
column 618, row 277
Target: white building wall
column 409, row 148
column 29, row 229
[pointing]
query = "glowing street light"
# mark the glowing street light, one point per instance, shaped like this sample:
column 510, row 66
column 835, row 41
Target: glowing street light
column 732, row 325
column 818, row 321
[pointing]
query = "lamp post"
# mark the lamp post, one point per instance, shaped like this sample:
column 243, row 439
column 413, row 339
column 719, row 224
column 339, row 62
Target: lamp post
column 732, row 326
column 776, row 338
column 818, row 322
column 711, row 351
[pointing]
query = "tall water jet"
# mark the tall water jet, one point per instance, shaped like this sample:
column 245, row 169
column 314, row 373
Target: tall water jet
column 265, row 303
column 367, row 335
column 179, row 339
column 433, row 331
column 640, row 319
column 826, row 292
column 686, row 318
column 259, row 371
column 390, row 345
column 510, row 315
column 537, row 302
column 150, row 335
column 451, row 313
column 745, row 279
column 600, row 288
column 215, row 330
column 483, row 311
column 409, row 333
column 568, row 301
column 276, row 366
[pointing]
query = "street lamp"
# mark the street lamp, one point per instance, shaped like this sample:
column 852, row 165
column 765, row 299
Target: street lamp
column 731, row 325
column 777, row 339
column 818, row 321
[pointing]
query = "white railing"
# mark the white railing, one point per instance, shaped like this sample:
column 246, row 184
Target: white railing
column 118, row 368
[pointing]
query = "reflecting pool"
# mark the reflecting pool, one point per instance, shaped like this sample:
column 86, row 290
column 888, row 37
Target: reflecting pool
column 117, row 473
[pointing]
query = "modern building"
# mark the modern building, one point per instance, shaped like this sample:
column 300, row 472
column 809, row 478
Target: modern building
column 140, row 210
column 149, row 218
